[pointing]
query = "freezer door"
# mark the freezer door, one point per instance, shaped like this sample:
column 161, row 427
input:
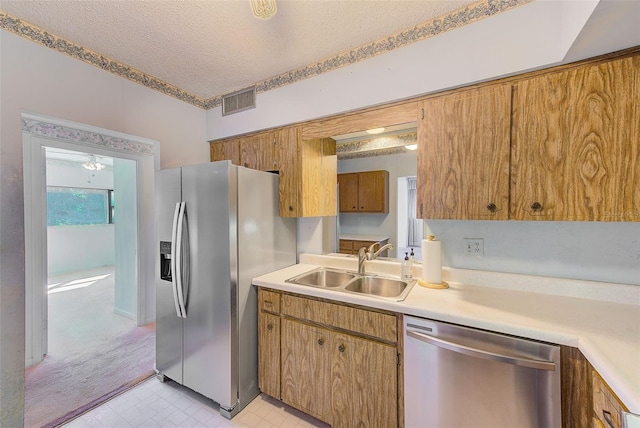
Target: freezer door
column 209, row 332
column 168, row 324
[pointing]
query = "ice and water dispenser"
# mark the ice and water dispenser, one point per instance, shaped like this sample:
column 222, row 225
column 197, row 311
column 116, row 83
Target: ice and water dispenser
column 165, row 260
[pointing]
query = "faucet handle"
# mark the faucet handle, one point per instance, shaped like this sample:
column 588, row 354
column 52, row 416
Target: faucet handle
column 372, row 247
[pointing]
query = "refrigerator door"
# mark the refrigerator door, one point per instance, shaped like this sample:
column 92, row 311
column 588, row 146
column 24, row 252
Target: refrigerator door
column 209, row 333
column 168, row 323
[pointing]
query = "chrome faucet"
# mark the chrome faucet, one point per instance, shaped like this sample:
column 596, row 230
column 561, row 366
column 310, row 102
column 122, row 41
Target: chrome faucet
column 365, row 254
column 372, row 255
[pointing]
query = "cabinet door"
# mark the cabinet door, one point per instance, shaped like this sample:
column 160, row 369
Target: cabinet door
column 364, row 383
column 259, row 152
column 373, row 195
column 306, row 383
column 269, row 354
column 226, row 150
column 290, row 171
column 575, row 151
column 348, row 192
column 463, row 155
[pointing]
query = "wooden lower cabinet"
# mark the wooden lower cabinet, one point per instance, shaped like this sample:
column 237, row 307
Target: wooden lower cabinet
column 269, row 340
column 587, row 401
column 343, row 379
column 306, row 359
column 363, row 379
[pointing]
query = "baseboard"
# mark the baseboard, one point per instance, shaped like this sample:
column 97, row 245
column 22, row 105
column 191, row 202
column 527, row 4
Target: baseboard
column 124, row 314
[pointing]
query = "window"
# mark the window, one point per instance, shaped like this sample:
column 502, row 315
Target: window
column 79, row 206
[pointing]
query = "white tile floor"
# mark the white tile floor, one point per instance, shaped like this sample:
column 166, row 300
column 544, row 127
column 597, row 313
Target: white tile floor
column 157, row 404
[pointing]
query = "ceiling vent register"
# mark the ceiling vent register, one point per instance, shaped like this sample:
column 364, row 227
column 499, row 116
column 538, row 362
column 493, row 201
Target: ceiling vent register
column 238, row 101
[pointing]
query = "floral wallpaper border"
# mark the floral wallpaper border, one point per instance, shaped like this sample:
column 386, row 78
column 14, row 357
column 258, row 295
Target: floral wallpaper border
column 379, row 146
column 45, row 129
column 448, row 22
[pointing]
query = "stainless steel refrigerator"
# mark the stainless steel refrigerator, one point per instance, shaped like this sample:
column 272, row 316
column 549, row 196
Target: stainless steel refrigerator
column 217, row 227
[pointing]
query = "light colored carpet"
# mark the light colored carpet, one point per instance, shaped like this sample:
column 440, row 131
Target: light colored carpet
column 94, row 354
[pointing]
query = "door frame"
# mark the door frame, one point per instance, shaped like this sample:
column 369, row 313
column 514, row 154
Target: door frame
column 40, row 131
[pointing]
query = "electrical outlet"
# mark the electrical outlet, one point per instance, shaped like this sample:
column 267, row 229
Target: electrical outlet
column 474, row 247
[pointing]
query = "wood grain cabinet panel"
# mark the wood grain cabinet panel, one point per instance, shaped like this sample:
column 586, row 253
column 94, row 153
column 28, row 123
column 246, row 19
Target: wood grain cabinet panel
column 576, row 149
column 308, row 171
column 226, row 150
column 606, row 405
column 306, row 374
column 364, row 192
column 348, row 191
column 259, row 152
column 363, row 383
column 269, row 354
column 463, row 155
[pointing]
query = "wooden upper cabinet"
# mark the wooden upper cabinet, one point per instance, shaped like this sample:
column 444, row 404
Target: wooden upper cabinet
column 308, row 170
column 575, row 148
column 463, row 155
column 373, row 191
column 259, row 151
column 364, row 192
column 348, row 192
column 226, row 150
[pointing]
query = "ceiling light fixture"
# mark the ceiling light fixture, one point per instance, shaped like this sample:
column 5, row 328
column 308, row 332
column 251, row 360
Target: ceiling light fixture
column 92, row 164
column 263, row 9
column 375, row 131
column 411, row 147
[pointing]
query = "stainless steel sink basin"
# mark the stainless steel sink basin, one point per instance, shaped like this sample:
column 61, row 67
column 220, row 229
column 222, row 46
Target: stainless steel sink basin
column 351, row 282
column 323, row 277
column 377, row 286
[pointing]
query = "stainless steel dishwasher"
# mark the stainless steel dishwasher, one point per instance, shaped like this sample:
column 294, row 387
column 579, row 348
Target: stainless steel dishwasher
column 457, row 376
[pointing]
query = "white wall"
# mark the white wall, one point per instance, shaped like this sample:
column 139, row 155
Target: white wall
column 401, row 165
column 77, row 248
column 40, row 80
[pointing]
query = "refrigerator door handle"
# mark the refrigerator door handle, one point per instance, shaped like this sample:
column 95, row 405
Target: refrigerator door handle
column 181, row 259
column 174, row 258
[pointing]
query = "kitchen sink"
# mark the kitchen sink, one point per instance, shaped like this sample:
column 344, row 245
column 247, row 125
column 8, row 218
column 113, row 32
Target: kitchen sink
column 351, row 282
column 377, row 286
column 323, row 277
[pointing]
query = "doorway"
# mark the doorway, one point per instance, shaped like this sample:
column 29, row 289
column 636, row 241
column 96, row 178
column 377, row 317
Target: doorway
column 128, row 290
column 40, row 133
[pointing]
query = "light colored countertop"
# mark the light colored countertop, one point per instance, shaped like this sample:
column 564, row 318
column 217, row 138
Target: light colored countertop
column 601, row 319
column 372, row 238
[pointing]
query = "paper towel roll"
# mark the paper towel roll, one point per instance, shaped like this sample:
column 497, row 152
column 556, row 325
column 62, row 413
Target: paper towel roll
column 431, row 260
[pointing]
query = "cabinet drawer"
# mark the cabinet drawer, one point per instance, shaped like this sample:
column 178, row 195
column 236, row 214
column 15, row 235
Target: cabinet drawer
column 370, row 323
column 269, row 301
column 605, row 405
column 346, row 245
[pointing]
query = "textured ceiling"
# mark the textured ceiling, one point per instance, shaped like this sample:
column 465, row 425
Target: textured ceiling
column 213, row 47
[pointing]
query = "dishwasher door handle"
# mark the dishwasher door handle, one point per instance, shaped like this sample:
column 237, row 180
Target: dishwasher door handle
column 480, row 353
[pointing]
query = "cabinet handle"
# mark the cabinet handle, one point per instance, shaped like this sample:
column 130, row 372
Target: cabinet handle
column 492, row 207
column 290, row 207
column 422, row 114
column 246, row 164
column 607, row 417
column 320, row 341
column 536, row 206
column 269, row 327
column 341, row 348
